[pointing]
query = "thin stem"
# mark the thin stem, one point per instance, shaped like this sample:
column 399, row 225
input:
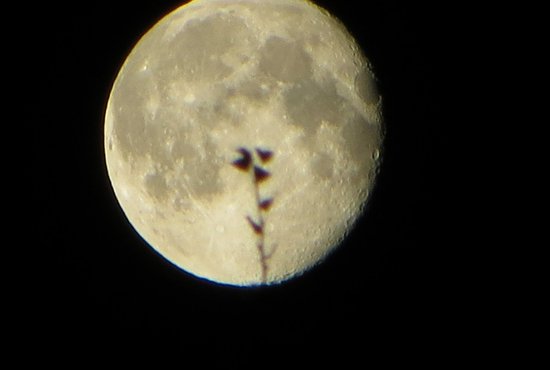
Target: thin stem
column 252, row 164
column 261, row 239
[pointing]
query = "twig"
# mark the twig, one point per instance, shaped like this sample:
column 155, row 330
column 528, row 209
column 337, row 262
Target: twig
column 253, row 165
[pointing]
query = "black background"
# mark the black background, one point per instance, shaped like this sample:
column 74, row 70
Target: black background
column 397, row 276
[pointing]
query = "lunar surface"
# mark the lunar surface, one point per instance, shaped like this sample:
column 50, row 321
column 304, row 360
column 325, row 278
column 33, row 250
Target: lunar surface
column 242, row 138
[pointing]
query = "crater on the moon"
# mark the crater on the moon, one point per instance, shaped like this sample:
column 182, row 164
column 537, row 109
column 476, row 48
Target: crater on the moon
column 365, row 88
column 309, row 103
column 284, row 61
column 322, row 165
column 200, row 54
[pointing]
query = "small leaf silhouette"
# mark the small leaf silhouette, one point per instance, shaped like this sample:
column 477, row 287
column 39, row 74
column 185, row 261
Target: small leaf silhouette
column 258, row 229
column 244, row 162
column 264, row 154
column 266, row 204
column 260, row 174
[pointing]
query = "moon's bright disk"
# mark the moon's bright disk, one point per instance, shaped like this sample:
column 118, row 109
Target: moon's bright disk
column 216, row 81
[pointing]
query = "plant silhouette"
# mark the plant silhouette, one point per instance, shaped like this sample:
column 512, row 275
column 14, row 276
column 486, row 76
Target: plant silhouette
column 253, row 162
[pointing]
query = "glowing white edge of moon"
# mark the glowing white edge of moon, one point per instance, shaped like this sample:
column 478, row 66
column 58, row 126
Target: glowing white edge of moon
column 227, row 252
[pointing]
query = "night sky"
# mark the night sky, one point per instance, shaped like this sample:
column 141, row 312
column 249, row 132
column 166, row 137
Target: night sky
column 97, row 282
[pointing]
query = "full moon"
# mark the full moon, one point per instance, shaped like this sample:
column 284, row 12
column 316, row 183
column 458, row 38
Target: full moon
column 242, row 138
